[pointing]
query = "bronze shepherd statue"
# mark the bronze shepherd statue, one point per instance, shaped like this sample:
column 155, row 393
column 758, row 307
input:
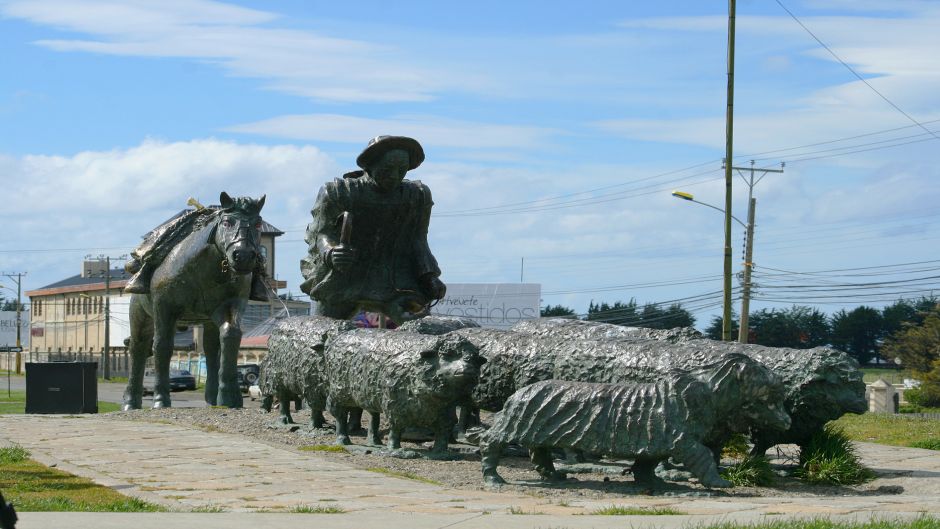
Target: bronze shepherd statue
column 200, row 269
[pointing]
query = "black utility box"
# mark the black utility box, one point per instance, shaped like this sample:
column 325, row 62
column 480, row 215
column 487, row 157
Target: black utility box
column 61, row 387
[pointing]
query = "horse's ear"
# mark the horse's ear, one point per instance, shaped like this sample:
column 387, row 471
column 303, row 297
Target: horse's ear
column 225, row 200
column 261, row 202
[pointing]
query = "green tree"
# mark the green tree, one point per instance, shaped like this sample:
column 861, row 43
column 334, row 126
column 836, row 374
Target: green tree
column 10, row 304
column 556, row 311
column 619, row 313
column 917, row 347
column 654, row 317
column 713, row 330
column 858, row 332
column 799, row 327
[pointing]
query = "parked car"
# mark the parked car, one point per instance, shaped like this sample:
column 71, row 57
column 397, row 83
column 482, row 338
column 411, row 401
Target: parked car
column 180, row 380
column 248, row 375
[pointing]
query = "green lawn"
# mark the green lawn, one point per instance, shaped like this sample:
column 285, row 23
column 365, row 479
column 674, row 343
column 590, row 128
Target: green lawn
column 891, row 376
column 31, row 486
column 924, row 522
column 897, row 430
column 16, row 403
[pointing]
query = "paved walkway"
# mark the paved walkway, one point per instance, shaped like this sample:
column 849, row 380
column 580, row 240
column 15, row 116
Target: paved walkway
column 189, row 469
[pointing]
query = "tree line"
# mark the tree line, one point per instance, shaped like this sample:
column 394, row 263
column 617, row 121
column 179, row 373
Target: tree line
column 862, row 332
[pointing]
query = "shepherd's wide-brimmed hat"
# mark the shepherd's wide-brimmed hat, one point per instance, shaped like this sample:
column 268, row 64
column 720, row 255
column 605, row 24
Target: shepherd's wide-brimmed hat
column 380, row 145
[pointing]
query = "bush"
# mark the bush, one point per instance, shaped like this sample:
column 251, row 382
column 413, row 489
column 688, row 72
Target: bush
column 929, row 444
column 925, row 396
column 750, row 472
column 13, row 454
column 830, row 457
column 736, row 447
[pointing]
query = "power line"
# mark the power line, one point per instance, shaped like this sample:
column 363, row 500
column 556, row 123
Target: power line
column 849, row 68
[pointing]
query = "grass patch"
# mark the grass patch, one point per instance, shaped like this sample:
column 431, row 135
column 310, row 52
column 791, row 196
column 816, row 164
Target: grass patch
column 13, row 454
column 887, row 429
column 891, row 376
column 519, row 510
column 405, row 475
column 924, row 522
column 33, row 487
column 317, row 509
column 929, row 444
column 750, row 472
column 15, row 404
column 323, row 448
column 623, row 510
column 830, row 457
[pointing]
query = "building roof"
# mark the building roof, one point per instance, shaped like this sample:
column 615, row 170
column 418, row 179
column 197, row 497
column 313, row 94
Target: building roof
column 77, row 283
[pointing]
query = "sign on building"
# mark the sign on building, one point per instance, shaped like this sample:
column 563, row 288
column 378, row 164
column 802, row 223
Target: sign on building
column 496, row 305
column 8, row 328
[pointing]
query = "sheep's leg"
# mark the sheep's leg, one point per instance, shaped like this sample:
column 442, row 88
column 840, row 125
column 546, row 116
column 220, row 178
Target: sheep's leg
column 374, row 436
column 644, row 471
column 394, row 437
column 490, row 452
column 541, row 457
column 701, row 463
column 342, row 434
column 283, row 407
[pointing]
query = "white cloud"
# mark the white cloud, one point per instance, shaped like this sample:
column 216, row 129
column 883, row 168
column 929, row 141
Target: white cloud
column 303, row 63
column 157, row 174
column 433, row 131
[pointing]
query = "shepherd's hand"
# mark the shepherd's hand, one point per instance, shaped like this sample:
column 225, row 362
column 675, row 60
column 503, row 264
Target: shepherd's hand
column 342, row 258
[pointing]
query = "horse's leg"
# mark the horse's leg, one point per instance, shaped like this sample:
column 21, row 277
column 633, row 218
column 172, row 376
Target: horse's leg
column 140, row 346
column 211, row 346
column 164, row 327
column 230, row 394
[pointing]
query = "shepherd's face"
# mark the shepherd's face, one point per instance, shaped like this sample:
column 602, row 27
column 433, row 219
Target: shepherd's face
column 390, row 170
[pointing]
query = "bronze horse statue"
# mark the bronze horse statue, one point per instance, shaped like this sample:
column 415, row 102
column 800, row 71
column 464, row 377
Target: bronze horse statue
column 203, row 275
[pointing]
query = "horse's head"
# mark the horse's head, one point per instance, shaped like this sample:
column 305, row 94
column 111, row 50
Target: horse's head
column 237, row 234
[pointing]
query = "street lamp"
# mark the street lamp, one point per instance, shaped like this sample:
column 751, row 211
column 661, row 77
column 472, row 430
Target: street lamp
column 748, row 265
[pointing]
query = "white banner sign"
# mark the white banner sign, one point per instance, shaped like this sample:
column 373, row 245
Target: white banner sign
column 8, row 328
column 496, row 305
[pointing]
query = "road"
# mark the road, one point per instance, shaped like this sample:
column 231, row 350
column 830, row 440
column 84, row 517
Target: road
column 114, row 392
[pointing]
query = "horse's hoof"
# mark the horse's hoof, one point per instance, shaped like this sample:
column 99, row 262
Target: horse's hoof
column 129, row 407
column 343, row 440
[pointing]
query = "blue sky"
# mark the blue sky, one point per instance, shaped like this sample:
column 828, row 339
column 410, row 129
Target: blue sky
column 115, row 112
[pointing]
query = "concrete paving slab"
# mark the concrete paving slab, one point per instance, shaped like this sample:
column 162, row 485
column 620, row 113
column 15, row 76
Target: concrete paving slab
column 189, row 469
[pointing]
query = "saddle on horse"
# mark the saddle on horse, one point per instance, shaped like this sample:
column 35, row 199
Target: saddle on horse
column 160, row 241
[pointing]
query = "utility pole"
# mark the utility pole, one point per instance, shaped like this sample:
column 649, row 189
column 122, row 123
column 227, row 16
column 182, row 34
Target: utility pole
column 743, row 329
column 19, row 304
column 106, row 353
column 729, row 141
column 107, row 319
